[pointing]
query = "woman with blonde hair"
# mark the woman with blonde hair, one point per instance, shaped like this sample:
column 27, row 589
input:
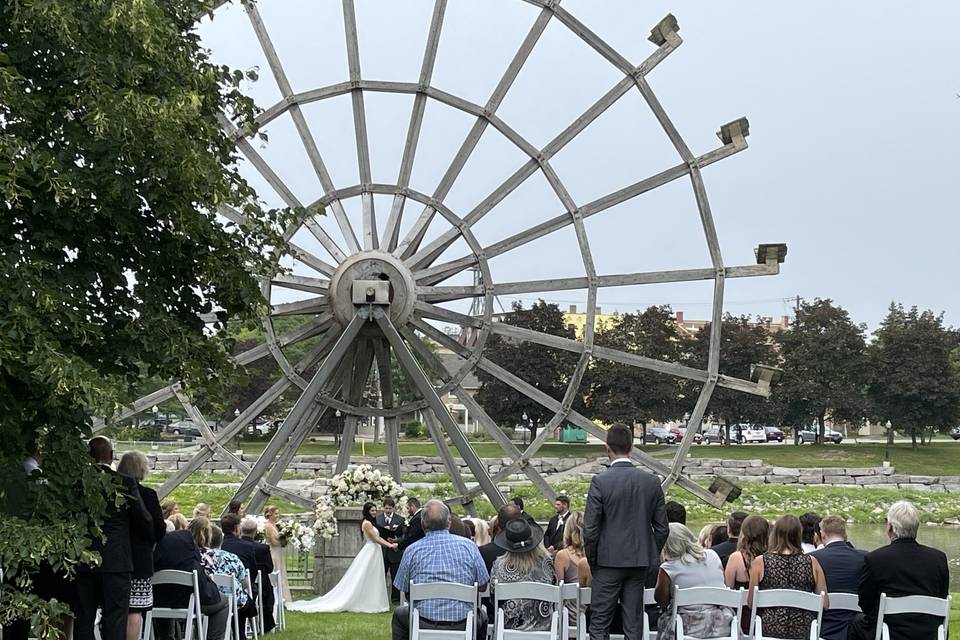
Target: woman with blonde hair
column 685, row 563
column 566, row 564
column 706, row 533
column 179, row 521
column 202, row 509
column 272, row 535
column 525, row 560
column 482, row 529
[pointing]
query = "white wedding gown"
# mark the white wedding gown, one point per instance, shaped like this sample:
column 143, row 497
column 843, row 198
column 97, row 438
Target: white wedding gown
column 362, row 589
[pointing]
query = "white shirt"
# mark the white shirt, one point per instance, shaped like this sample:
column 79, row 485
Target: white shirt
column 624, row 460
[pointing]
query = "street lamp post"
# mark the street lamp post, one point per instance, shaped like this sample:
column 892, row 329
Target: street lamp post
column 525, row 427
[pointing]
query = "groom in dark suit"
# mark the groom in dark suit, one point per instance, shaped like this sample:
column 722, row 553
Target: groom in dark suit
column 624, row 529
column 390, row 526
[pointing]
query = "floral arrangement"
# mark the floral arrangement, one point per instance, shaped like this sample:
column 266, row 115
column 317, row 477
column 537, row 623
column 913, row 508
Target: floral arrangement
column 354, row 486
column 296, row 534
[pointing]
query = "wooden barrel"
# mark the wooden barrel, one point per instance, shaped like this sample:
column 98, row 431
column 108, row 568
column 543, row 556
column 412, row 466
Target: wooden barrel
column 332, row 557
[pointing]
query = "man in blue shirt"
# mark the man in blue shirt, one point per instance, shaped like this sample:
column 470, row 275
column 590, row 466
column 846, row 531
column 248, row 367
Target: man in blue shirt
column 439, row 557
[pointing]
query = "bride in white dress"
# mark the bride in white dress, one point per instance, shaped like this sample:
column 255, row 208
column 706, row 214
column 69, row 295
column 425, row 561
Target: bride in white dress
column 363, row 588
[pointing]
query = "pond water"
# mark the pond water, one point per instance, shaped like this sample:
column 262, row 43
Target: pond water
column 871, row 536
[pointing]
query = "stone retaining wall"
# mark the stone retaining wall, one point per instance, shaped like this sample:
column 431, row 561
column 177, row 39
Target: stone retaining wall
column 697, row 468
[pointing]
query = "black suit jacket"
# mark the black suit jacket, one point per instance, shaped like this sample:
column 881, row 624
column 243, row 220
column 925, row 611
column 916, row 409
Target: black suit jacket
column 244, row 550
column 490, row 552
column 625, row 523
column 119, row 524
column 414, row 532
column 394, row 529
column 903, row 568
column 553, row 536
column 725, row 549
column 842, row 566
column 264, row 562
column 177, row 550
column 142, row 545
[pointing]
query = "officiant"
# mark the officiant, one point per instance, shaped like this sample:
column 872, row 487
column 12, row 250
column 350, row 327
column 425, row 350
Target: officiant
column 391, row 527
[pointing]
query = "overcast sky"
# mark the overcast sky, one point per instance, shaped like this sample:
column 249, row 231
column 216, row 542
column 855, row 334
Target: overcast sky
column 854, row 116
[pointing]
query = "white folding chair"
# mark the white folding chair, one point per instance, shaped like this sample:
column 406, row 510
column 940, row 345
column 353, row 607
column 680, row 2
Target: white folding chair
column 843, row 602
column 792, row 598
column 939, row 607
column 254, row 622
column 261, row 620
column 570, row 592
column 279, row 604
column 445, row 591
column 190, row 614
column 720, row 596
column 227, row 585
column 529, row 591
column 585, row 597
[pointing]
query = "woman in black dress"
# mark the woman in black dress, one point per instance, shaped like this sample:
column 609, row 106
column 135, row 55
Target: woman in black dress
column 786, row 566
column 134, row 465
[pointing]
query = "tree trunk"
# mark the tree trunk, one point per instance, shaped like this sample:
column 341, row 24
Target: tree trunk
column 643, row 432
column 913, row 438
column 821, row 428
column 726, row 432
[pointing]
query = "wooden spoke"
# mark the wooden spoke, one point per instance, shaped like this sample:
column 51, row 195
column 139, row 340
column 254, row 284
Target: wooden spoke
column 447, row 293
column 310, row 306
column 300, row 283
column 311, row 260
column 307, row 330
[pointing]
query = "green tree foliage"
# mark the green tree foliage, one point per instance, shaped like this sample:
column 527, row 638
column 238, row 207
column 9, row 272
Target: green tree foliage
column 619, row 392
column 112, row 164
column 825, row 368
column 545, row 368
column 742, row 344
column 912, row 382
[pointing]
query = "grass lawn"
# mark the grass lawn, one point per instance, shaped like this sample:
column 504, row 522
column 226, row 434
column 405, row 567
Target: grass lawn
column 939, row 458
column 320, row 626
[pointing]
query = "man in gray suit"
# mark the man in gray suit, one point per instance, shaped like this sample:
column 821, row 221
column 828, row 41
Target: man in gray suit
column 624, row 529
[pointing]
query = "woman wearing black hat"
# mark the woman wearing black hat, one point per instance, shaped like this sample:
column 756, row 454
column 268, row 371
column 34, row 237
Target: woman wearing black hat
column 525, row 560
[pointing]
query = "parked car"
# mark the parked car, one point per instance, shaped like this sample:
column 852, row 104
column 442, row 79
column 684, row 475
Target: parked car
column 955, row 433
column 659, row 435
column 750, row 433
column 714, row 435
column 679, row 432
column 829, row 435
column 773, row 434
column 183, row 428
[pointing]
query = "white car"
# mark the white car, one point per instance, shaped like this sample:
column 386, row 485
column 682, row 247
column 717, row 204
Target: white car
column 749, row 433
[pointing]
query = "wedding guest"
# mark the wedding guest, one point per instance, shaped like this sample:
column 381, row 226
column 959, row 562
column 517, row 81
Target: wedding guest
column 705, row 537
column 842, row 566
column 786, row 566
column 810, row 523
column 133, row 464
column 752, row 543
column 491, row 551
column 719, row 535
column 179, row 551
column 272, row 535
column 676, row 512
column 107, row 585
column 439, row 557
column 686, row 564
column 902, row 568
column 225, row 563
column 566, row 562
column 553, row 536
column 179, row 522
column 261, row 590
column 168, row 508
column 725, row 549
column 202, row 509
column 470, row 528
column 236, row 508
column 518, row 501
column 456, row 526
column 482, row 536
column 524, row 560
column 414, row 531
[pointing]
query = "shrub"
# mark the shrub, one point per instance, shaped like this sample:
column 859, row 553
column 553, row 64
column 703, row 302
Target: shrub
column 415, row 429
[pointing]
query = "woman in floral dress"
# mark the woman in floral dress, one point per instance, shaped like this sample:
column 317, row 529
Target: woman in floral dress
column 525, row 560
